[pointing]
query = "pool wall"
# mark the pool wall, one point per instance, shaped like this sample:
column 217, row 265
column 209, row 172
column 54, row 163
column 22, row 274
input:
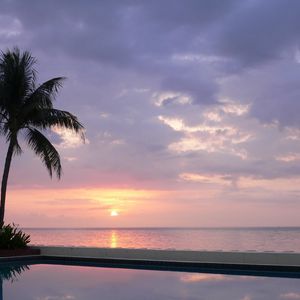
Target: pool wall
column 216, row 262
column 186, row 256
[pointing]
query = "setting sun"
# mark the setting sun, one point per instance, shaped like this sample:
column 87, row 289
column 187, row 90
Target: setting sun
column 114, row 213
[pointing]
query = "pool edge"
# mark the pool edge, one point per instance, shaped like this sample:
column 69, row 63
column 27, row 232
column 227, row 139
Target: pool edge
column 180, row 260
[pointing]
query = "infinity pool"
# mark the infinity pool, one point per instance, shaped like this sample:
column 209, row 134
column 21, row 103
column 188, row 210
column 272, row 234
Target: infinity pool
column 65, row 282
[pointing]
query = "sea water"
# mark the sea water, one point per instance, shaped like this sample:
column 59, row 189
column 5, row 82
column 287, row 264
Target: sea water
column 226, row 239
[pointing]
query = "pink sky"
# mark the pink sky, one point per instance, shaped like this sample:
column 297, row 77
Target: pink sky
column 92, row 207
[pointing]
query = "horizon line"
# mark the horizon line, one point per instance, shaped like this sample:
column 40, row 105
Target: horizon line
column 164, row 227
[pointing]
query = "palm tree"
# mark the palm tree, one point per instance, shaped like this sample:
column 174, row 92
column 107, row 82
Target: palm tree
column 11, row 273
column 28, row 109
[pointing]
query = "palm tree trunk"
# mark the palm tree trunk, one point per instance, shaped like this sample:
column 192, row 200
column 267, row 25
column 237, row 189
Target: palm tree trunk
column 4, row 181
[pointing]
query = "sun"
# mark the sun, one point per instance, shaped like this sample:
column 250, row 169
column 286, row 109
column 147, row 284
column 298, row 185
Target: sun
column 114, row 213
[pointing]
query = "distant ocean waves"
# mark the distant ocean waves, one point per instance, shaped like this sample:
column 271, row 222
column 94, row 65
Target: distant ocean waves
column 241, row 239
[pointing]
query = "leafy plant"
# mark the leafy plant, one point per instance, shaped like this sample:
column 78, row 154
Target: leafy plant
column 11, row 237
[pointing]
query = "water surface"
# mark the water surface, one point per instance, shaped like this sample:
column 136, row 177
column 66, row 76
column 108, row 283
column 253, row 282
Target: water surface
column 52, row 282
column 243, row 239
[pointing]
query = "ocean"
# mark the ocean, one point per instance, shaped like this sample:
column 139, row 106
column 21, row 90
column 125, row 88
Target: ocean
column 227, row 239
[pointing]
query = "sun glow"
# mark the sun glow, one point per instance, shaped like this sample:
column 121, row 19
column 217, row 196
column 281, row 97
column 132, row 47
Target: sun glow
column 114, row 213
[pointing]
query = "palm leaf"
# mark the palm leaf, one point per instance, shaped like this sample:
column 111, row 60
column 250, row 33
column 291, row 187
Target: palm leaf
column 45, row 150
column 44, row 95
column 47, row 118
column 17, row 77
column 12, row 138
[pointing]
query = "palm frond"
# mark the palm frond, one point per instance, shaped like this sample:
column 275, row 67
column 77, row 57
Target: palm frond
column 26, row 106
column 17, row 150
column 45, row 150
column 17, row 77
column 27, row 61
column 45, row 94
column 12, row 137
column 47, row 118
column 3, row 116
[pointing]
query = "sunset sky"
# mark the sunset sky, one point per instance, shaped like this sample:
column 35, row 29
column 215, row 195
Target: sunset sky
column 191, row 110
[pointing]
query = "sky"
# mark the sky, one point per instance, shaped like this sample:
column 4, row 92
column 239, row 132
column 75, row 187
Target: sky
column 191, row 113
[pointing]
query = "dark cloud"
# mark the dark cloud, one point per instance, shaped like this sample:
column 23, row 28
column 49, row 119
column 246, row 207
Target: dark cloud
column 259, row 31
column 140, row 36
column 273, row 90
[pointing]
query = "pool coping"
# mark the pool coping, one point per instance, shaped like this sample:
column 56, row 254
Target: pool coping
column 268, row 263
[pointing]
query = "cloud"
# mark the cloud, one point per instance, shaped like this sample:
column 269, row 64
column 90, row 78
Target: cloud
column 290, row 295
column 206, row 179
column 190, row 278
column 69, row 138
column 290, row 157
column 254, row 33
column 68, row 201
column 167, row 98
column 204, row 277
column 10, row 27
column 247, row 297
column 208, row 137
column 171, row 94
column 65, row 297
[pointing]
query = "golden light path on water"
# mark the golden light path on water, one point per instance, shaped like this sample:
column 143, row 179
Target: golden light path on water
column 113, row 239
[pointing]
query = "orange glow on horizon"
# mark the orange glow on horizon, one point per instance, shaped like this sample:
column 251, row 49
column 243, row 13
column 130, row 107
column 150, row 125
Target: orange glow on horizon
column 97, row 207
column 89, row 206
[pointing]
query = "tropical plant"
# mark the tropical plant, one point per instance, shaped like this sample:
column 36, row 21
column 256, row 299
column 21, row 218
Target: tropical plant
column 11, row 237
column 27, row 108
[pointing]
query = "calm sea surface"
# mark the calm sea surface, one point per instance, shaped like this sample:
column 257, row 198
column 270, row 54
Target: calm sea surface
column 259, row 239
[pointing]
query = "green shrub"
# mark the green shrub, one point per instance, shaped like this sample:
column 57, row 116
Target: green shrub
column 11, row 237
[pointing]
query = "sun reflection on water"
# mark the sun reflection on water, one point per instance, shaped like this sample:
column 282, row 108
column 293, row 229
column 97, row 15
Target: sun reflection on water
column 113, row 239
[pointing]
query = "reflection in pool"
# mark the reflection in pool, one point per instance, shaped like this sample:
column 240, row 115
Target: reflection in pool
column 10, row 273
column 57, row 282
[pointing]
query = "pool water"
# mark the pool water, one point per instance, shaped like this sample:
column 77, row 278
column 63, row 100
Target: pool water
column 62, row 282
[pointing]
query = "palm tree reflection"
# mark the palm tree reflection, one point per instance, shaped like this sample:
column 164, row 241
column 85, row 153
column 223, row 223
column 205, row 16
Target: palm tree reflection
column 10, row 273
